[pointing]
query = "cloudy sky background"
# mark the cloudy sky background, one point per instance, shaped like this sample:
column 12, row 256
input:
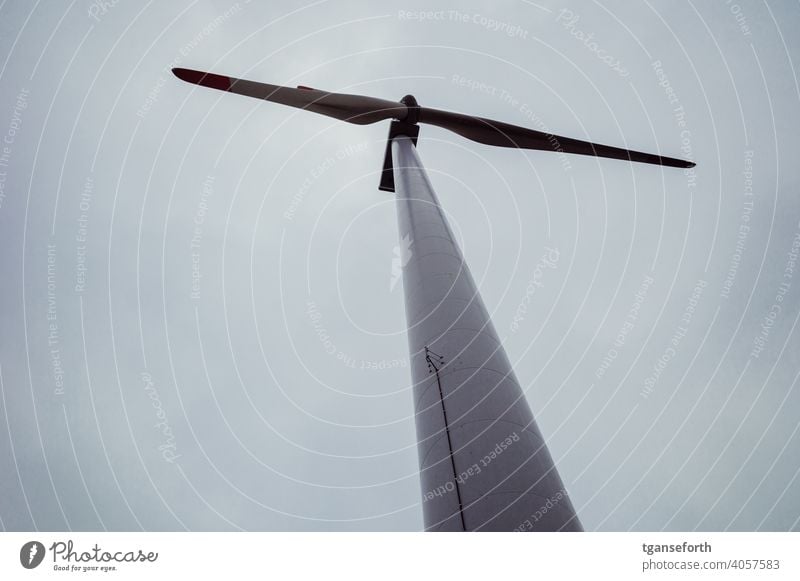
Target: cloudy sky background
column 275, row 394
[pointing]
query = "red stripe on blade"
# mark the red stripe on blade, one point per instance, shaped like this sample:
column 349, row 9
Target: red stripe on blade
column 211, row 80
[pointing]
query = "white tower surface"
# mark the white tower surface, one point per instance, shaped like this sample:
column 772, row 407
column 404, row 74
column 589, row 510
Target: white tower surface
column 484, row 465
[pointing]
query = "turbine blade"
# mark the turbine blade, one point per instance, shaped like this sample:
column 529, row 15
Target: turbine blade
column 351, row 108
column 506, row 135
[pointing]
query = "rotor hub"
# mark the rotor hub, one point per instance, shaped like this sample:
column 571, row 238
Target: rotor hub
column 413, row 109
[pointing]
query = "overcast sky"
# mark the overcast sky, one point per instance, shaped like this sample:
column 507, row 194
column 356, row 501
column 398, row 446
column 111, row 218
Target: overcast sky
column 201, row 326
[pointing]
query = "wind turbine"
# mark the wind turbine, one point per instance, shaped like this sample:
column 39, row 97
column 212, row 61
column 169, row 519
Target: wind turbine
column 484, row 464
